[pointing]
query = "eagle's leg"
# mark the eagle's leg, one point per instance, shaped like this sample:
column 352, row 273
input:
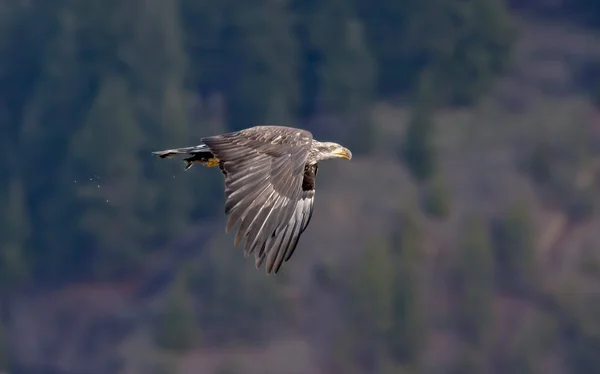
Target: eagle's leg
column 203, row 158
column 198, row 153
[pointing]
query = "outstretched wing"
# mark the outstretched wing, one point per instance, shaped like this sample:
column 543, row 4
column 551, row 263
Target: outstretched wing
column 282, row 243
column 264, row 171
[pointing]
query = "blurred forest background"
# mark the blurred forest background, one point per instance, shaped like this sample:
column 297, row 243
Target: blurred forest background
column 463, row 237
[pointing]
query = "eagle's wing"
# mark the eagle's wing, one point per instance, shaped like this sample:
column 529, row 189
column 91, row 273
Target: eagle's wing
column 281, row 244
column 264, row 172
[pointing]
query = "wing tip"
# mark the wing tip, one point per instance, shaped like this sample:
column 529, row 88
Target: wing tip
column 236, row 241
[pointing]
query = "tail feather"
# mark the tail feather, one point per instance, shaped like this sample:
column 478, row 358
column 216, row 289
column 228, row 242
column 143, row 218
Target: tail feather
column 167, row 153
column 199, row 153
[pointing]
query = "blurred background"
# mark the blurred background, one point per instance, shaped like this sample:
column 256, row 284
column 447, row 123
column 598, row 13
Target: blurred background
column 462, row 237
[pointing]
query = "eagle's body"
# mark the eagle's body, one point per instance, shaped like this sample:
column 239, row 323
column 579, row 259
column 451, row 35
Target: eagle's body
column 270, row 174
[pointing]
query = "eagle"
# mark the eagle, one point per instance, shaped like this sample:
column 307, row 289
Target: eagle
column 270, row 174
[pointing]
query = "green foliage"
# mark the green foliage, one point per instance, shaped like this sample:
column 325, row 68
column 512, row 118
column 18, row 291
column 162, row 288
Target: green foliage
column 344, row 344
column 178, row 329
column 249, row 53
column 582, row 354
column 418, row 148
column 99, row 86
column 88, row 91
column 586, row 10
column 348, row 86
column 385, row 317
column 163, row 365
column 369, row 311
column 514, row 250
column 475, row 282
column 522, row 363
column 119, row 240
column 577, row 325
column 407, row 334
column 398, row 369
column 14, row 238
column 589, row 262
column 437, row 198
column 458, row 40
column 590, row 80
column 529, row 344
column 563, row 169
column 373, row 293
column 325, row 275
column 479, row 36
column 545, row 331
column 237, row 300
column 540, row 163
column 4, row 347
column 155, row 55
column 337, row 71
column 469, row 360
column 229, row 367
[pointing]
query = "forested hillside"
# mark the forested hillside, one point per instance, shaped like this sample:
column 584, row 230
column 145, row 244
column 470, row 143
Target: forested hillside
column 463, row 237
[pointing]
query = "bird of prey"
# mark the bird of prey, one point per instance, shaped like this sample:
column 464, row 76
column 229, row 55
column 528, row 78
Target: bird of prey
column 270, row 174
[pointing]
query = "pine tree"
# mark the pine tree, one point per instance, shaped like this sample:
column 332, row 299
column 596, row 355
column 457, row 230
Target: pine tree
column 237, row 300
column 407, row 334
column 466, row 44
column 14, row 237
column 107, row 147
column 264, row 56
column 178, row 329
column 3, row 349
column 348, row 83
column 463, row 41
column 154, row 52
column 386, row 23
column 370, row 306
column 418, row 149
column 437, row 198
column 246, row 51
column 373, row 292
column 474, row 275
column 514, row 251
column 586, row 10
column 337, row 71
column 52, row 111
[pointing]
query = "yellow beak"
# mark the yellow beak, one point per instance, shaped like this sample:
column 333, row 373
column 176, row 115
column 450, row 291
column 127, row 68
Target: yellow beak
column 343, row 153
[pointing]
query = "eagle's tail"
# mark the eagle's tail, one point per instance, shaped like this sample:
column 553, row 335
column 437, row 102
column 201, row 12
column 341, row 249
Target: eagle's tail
column 167, row 153
column 199, row 153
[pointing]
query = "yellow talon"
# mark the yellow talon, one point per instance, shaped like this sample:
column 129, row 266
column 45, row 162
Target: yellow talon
column 211, row 162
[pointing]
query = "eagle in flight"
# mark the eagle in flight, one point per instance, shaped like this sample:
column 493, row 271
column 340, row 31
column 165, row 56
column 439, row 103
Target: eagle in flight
column 270, row 174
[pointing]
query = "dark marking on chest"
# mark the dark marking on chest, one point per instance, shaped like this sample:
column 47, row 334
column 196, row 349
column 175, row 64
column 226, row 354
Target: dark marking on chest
column 310, row 176
column 222, row 168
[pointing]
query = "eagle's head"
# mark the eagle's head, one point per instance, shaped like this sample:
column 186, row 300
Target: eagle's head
column 327, row 150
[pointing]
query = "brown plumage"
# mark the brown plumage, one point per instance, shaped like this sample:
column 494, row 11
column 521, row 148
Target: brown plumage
column 270, row 174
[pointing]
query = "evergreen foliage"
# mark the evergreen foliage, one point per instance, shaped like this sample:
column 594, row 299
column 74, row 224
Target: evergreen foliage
column 87, row 91
column 89, row 88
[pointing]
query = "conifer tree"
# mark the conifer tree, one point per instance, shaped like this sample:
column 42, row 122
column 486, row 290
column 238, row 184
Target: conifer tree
column 108, row 145
column 407, row 334
column 178, row 330
column 474, row 274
